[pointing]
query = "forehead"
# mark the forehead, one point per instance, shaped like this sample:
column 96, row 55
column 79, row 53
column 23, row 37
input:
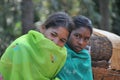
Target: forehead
column 61, row 31
column 82, row 30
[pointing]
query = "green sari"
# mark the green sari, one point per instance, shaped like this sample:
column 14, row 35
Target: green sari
column 32, row 57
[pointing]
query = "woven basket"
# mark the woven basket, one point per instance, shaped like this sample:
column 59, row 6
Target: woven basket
column 105, row 46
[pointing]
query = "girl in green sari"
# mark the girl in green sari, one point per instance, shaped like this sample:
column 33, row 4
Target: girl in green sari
column 35, row 55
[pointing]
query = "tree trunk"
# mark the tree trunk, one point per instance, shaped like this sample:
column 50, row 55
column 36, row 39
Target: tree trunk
column 27, row 15
column 104, row 10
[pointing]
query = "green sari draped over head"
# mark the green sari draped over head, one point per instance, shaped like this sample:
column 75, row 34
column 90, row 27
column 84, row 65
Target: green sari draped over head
column 32, row 57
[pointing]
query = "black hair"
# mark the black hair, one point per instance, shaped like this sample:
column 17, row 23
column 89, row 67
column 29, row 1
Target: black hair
column 59, row 19
column 82, row 21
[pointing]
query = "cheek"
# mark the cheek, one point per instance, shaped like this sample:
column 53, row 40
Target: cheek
column 48, row 36
column 72, row 41
column 84, row 45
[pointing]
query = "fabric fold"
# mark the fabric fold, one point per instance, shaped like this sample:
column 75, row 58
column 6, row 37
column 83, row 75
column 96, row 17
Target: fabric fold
column 32, row 57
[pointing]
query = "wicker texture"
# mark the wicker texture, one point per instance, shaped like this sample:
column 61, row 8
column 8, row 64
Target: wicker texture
column 115, row 40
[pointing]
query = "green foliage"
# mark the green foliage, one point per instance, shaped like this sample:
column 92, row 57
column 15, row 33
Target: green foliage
column 9, row 18
column 115, row 17
column 10, row 15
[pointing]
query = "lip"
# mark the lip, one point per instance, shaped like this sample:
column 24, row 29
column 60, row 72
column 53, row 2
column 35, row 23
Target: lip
column 77, row 49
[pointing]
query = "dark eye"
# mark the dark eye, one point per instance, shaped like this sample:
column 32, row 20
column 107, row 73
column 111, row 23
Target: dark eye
column 63, row 40
column 76, row 35
column 54, row 34
column 86, row 39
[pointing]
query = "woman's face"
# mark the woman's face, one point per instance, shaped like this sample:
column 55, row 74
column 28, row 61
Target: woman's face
column 79, row 38
column 58, row 35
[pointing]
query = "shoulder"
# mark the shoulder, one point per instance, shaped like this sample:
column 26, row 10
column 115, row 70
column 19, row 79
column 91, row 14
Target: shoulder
column 85, row 53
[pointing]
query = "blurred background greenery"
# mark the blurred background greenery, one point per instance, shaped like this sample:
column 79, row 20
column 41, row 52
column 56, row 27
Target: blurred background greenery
column 19, row 16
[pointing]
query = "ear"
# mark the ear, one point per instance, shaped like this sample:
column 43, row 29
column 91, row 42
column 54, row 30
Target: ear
column 42, row 29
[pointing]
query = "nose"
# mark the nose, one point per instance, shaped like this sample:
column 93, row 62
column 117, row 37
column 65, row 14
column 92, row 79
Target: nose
column 80, row 41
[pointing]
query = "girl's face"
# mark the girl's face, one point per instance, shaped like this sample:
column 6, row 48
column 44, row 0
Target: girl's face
column 58, row 35
column 79, row 38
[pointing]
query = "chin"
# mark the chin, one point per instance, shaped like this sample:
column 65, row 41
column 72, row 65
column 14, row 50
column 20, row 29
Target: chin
column 76, row 51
